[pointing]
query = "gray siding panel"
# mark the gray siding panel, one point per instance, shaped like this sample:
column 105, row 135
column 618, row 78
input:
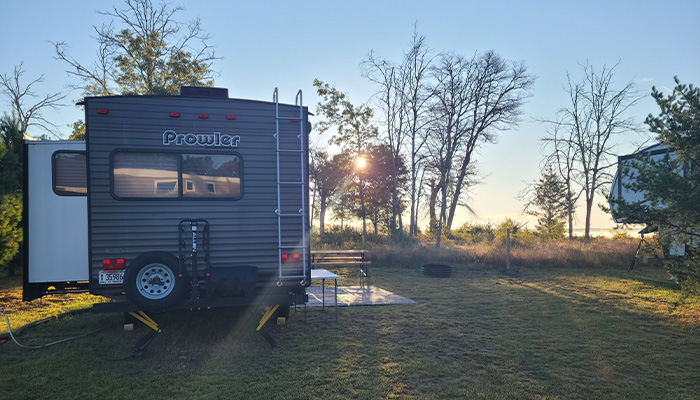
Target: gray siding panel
column 244, row 231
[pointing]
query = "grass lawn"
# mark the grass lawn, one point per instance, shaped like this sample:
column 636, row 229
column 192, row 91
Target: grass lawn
column 544, row 333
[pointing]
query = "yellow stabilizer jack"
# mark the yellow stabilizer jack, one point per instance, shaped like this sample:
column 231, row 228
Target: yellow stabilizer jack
column 268, row 313
column 141, row 316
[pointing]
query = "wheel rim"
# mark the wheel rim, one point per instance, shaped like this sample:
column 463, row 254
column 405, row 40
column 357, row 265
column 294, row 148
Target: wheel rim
column 155, row 281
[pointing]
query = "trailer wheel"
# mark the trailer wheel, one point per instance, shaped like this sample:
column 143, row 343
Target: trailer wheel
column 151, row 280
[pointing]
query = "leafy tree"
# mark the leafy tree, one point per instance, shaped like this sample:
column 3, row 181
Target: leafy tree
column 328, row 177
column 378, row 180
column 77, row 130
column 149, row 53
column 671, row 198
column 549, row 204
column 354, row 131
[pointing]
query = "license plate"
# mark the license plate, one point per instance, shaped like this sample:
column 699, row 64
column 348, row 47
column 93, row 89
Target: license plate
column 111, row 277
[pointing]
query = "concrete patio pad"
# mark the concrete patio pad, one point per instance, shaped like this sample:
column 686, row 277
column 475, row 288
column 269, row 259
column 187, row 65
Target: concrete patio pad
column 354, row 296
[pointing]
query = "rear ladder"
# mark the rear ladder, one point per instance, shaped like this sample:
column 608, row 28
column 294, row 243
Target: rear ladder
column 301, row 183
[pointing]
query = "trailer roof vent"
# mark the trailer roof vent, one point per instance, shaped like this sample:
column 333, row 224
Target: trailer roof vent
column 204, row 91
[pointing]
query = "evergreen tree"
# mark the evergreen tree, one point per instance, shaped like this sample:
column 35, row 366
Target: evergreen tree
column 11, row 153
column 671, row 186
column 549, row 205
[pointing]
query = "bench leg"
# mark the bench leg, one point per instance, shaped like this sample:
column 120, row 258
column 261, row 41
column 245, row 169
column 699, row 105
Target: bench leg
column 336, row 299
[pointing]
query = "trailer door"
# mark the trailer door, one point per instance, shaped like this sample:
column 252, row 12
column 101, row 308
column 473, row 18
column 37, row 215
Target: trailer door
column 55, row 201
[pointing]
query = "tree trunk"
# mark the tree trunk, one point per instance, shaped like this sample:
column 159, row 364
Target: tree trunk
column 322, row 214
column 434, row 190
column 589, row 207
column 395, row 205
column 412, row 226
column 364, row 213
column 570, row 210
column 443, row 208
column 458, row 189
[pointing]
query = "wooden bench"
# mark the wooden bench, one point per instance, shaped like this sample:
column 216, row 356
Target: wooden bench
column 339, row 258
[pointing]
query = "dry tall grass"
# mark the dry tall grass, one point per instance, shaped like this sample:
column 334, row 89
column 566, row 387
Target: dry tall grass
column 599, row 253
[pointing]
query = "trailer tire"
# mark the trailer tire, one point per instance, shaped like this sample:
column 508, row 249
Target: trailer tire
column 152, row 282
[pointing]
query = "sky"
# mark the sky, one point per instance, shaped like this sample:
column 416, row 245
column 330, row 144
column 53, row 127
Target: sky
column 268, row 44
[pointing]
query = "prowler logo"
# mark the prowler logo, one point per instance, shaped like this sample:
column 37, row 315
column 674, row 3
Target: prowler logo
column 216, row 139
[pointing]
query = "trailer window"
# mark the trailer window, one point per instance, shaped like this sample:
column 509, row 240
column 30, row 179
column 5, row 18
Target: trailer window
column 158, row 175
column 145, row 175
column 69, row 173
column 211, row 175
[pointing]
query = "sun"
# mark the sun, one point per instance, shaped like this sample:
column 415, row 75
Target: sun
column 360, row 162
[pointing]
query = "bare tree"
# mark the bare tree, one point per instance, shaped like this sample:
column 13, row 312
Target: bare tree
column 497, row 94
column 449, row 109
column 472, row 101
column 563, row 158
column 415, row 74
column 27, row 112
column 596, row 114
column 389, row 98
column 403, row 97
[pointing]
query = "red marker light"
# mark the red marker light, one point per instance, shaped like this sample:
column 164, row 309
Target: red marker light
column 230, row 116
column 203, row 116
column 102, row 111
column 175, row 115
column 113, row 263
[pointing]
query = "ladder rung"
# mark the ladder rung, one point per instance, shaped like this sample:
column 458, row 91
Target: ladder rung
column 293, row 247
column 288, row 151
column 294, row 119
column 291, row 276
column 292, row 215
column 290, row 183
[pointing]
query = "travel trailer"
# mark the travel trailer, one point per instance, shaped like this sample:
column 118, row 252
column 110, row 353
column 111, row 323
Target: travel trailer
column 620, row 190
column 190, row 201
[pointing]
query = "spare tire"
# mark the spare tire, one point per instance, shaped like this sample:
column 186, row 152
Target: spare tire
column 152, row 282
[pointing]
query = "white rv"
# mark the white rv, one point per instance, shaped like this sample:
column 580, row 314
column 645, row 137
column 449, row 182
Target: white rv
column 620, row 190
